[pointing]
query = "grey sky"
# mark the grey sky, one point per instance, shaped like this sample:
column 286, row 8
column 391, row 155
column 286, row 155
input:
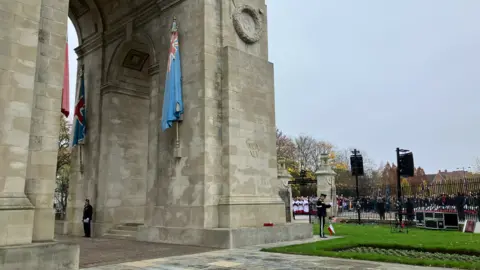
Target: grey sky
column 351, row 71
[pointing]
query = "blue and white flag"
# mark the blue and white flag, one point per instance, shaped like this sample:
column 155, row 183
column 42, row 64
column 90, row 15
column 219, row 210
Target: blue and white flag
column 172, row 99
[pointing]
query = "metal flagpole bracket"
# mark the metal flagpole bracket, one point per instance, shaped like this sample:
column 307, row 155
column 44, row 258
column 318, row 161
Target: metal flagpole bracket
column 177, row 151
column 82, row 70
column 80, row 149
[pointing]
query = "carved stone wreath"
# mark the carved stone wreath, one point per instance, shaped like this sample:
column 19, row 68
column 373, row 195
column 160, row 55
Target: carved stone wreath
column 248, row 24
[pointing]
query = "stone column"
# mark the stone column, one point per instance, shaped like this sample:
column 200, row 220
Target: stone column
column 19, row 25
column 153, row 130
column 283, row 178
column 29, row 125
column 326, row 183
column 45, row 124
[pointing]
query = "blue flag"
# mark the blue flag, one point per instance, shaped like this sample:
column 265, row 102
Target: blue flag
column 80, row 116
column 172, row 99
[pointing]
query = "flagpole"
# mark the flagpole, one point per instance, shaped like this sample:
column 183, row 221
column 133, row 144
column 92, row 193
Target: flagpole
column 80, row 149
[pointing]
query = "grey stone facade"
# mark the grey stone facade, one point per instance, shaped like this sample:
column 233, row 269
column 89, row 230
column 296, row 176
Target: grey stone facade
column 223, row 181
column 32, row 44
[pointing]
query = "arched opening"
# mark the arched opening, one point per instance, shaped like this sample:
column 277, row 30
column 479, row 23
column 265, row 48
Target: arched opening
column 110, row 169
column 123, row 148
column 63, row 171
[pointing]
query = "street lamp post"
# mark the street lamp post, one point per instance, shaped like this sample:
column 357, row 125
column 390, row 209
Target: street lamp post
column 464, row 176
column 464, row 171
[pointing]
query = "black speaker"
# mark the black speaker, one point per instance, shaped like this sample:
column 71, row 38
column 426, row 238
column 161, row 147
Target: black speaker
column 451, row 220
column 405, row 165
column 356, row 163
column 419, row 216
column 434, row 224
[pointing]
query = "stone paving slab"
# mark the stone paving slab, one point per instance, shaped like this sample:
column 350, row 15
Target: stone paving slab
column 105, row 251
column 252, row 258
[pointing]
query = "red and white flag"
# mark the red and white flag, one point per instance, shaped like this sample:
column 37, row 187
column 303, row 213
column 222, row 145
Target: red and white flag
column 66, row 88
column 331, row 230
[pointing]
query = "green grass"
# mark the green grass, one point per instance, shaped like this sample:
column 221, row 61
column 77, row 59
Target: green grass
column 381, row 237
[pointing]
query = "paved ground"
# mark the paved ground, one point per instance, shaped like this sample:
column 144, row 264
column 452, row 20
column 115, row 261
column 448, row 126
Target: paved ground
column 103, row 251
column 253, row 259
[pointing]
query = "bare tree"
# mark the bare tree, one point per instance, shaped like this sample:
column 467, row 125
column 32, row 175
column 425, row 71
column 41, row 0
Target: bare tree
column 285, row 147
column 305, row 146
column 476, row 166
column 63, row 166
column 320, row 147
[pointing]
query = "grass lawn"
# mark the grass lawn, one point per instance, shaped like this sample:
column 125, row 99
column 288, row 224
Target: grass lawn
column 380, row 236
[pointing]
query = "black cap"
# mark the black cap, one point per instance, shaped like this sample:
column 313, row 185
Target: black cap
column 324, row 195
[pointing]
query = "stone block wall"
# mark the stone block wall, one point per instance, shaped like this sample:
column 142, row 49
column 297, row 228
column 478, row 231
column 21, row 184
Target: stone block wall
column 122, row 173
column 51, row 256
column 176, row 187
column 45, row 125
column 19, row 24
column 32, row 44
column 32, row 50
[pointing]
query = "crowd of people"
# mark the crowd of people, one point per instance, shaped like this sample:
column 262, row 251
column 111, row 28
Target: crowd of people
column 466, row 205
column 303, row 205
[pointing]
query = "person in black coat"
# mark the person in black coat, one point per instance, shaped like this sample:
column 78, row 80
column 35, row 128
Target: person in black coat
column 322, row 213
column 87, row 218
column 410, row 210
column 478, row 205
column 459, row 205
column 381, row 208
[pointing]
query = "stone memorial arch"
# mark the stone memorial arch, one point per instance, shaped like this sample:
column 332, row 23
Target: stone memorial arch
column 214, row 190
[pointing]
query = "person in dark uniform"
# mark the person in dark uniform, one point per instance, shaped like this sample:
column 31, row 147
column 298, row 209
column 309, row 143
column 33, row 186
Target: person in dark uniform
column 381, row 208
column 322, row 213
column 478, row 205
column 460, row 206
column 87, row 217
column 410, row 210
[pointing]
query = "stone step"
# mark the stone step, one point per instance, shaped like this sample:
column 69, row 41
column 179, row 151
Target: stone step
column 126, row 228
column 121, row 232
column 119, row 236
column 133, row 224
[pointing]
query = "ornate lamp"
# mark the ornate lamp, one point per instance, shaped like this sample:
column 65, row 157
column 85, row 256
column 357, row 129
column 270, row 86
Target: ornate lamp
column 324, row 157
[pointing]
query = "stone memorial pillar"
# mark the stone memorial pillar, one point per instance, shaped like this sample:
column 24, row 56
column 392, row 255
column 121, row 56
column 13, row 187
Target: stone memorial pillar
column 220, row 187
column 326, row 183
column 283, row 178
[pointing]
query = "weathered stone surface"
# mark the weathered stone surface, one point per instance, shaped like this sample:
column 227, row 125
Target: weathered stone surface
column 105, row 251
column 227, row 169
column 18, row 53
column 45, row 126
column 217, row 188
column 251, row 258
column 52, row 256
column 326, row 184
column 284, row 189
column 32, row 39
column 226, row 237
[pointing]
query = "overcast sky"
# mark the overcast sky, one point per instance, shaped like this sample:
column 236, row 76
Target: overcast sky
column 377, row 75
